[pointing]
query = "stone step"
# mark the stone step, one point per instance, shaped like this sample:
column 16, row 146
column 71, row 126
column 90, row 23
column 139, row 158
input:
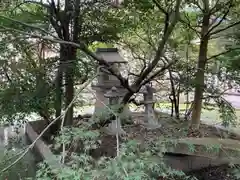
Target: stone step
column 207, row 147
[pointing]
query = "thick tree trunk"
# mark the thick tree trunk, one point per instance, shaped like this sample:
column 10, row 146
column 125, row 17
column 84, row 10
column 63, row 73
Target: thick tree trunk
column 67, row 26
column 66, row 68
column 69, row 83
column 199, row 80
column 71, row 56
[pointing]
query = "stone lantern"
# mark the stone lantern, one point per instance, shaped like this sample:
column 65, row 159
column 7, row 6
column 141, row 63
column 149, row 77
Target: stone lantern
column 105, row 80
column 114, row 97
column 151, row 121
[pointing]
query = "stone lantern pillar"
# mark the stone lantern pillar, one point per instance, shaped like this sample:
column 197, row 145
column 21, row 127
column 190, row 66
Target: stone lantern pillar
column 151, row 120
column 114, row 103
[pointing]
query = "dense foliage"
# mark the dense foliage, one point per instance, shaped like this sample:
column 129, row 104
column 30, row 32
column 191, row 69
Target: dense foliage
column 47, row 50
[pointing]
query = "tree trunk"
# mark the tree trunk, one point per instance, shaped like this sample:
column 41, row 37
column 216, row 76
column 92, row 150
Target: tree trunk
column 199, row 80
column 177, row 111
column 172, row 105
column 67, row 26
column 175, row 101
column 58, row 93
column 66, row 68
column 71, row 56
column 69, row 83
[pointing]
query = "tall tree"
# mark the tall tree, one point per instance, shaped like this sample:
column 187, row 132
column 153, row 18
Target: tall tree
column 76, row 24
column 69, row 23
column 214, row 18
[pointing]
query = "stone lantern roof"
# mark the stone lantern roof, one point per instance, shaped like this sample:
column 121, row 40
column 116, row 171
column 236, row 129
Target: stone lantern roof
column 113, row 92
column 110, row 55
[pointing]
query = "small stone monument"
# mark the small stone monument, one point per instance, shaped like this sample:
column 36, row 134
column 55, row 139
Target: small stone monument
column 114, row 101
column 105, row 80
column 151, row 121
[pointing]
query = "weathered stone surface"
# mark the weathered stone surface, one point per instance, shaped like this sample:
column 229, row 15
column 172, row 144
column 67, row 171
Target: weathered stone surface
column 190, row 163
column 112, row 93
column 225, row 149
column 41, row 147
column 38, row 127
column 151, row 121
column 114, row 99
column 106, row 80
column 111, row 55
column 114, row 128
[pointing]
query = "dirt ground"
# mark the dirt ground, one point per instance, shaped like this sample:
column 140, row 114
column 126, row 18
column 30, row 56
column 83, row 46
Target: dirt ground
column 214, row 173
column 171, row 128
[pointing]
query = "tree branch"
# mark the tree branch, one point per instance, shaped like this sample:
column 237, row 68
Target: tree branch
column 220, row 22
column 161, row 46
column 188, row 24
column 84, row 48
column 124, row 82
column 35, row 2
column 27, row 25
column 160, row 7
column 223, row 29
column 6, row 74
column 206, row 6
column 217, row 7
column 196, row 2
column 222, row 53
column 53, row 10
column 51, row 7
column 161, row 71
